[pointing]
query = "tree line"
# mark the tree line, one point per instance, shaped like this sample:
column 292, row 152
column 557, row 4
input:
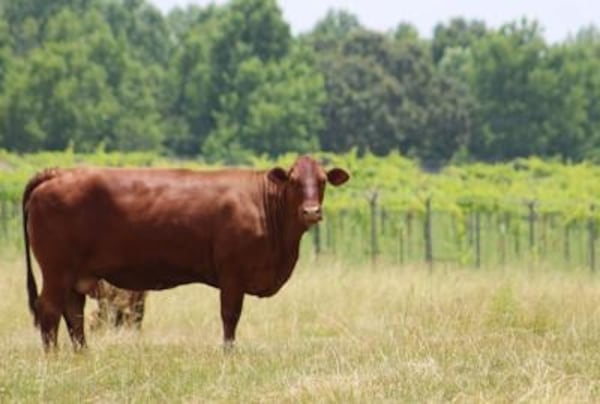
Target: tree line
column 226, row 82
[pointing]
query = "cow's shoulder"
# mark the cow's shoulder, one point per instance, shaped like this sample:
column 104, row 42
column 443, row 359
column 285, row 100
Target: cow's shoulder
column 241, row 212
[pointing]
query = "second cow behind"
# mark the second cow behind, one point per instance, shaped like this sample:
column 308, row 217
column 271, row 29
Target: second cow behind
column 117, row 307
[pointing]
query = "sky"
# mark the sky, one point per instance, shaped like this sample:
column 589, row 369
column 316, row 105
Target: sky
column 558, row 17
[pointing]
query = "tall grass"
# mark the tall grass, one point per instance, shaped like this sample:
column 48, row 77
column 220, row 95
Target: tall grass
column 334, row 333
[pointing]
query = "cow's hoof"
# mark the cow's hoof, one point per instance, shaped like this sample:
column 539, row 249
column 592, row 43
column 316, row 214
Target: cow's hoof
column 228, row 346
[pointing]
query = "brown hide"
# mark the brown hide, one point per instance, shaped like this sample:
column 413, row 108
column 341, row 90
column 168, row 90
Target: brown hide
column 150, row 229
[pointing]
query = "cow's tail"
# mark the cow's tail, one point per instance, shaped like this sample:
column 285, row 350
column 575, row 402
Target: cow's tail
column 31, row 285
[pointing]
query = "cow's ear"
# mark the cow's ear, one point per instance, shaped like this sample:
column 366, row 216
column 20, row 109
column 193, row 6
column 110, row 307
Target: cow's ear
column 278, row 175
column 337, row 176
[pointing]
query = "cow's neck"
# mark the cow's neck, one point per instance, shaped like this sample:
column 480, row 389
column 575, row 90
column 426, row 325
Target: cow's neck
column 283, row 227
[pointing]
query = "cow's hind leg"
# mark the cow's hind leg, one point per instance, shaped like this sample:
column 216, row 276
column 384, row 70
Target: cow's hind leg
column 49, row 307
column 73, row 314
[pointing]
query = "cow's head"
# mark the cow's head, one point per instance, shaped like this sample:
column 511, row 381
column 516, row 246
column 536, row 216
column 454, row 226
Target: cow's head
column 305, row 186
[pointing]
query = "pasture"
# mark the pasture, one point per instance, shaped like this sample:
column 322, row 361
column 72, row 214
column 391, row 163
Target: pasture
column 333, row 334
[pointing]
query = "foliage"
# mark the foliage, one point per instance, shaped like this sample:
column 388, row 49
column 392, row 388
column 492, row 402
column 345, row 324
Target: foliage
column 267, row 111
column 565, row 189
column 230, row 81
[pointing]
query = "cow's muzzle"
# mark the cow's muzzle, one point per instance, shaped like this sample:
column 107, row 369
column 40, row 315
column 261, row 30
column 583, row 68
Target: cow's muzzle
column 311, row 214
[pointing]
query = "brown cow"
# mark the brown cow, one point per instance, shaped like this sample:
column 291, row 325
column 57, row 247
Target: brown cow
column 142, row 229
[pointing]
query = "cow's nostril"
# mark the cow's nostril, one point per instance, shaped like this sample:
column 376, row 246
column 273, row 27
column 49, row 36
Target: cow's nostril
column 311, row 210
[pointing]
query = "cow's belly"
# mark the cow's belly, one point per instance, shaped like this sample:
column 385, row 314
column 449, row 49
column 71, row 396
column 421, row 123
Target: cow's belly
column 150, row 263
column 154, row 278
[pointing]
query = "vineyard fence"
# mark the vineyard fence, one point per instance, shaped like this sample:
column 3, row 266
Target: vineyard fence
column 370, row 233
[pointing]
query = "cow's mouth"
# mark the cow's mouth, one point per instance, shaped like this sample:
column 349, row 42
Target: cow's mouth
column 311, row 220
column 311, row 215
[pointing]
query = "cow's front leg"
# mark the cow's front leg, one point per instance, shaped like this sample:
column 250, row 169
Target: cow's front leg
column 232, row 299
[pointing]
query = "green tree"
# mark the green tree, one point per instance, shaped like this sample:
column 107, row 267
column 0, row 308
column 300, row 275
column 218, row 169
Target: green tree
column 517, row 93
column 384, row 94
column 6, row 54
column 189, row 88
column 138, row 125
column 248, row 29
column 181, row 21
column 406, row 32
column 55, row 95
column 143, row 27
column 575, row 112
column 361, row 106
column 27, row 19
column 82, row 88
column 330, row 31
column 273, row 108
column 239, row 85
column 458, row 33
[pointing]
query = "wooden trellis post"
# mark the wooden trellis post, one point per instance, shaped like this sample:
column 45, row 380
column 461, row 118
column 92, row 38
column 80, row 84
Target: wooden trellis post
column 4, row 216
column 373, row 208
column 317, row 239
column 428, row 234
column 478, row 239
column 567, row 243
column 504, row 226
column 532, row 220
column 400, row 244
column 592, row 238
column 409, row 234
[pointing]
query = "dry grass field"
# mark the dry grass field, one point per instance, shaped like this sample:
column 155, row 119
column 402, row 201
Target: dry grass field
column 333, row 334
